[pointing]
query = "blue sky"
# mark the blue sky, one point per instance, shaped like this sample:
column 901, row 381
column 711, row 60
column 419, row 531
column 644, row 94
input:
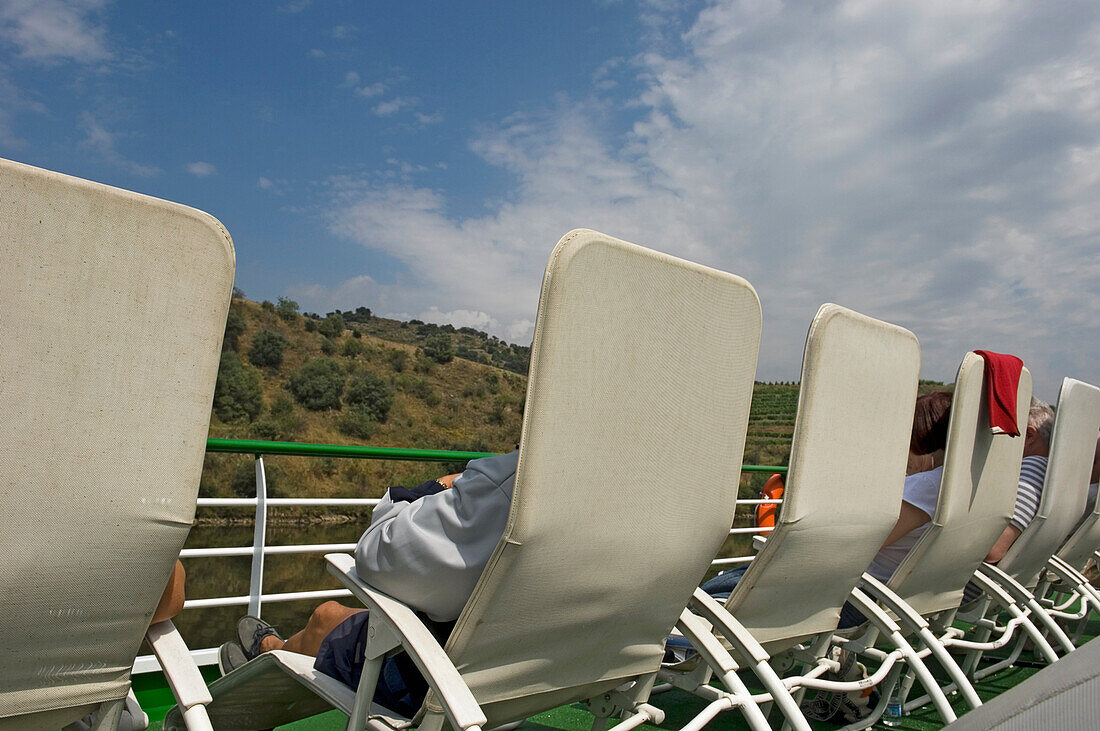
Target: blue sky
column 934, row 164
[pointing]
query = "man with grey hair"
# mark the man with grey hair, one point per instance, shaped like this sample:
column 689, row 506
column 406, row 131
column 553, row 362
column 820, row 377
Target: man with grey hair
column 1033, row 470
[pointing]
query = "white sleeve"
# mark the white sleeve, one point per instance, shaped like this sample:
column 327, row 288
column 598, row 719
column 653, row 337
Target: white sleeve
column 430, row 553
column 922, row 490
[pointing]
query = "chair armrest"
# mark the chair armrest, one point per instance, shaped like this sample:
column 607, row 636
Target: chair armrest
column 709, row 609
column 758, row 542
column 179, row 667
column 458, row 702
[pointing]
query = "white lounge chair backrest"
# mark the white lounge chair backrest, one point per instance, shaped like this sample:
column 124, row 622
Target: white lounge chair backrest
column 1072, row 446
column 1083, row 543
column 977, row 492
column 843, row 490
column 637, row 406
column 112, row 309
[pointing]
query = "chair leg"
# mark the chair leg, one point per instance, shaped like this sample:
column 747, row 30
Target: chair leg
column 892, row 632
column 372, row 668
column 1014, row 589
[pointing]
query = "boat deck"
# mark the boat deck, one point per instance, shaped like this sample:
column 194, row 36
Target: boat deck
column 679, row 706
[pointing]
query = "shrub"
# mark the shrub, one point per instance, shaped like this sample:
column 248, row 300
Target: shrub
column 267, row 306
column 311, row 325
column 438, row 348
column 287, row 309
column 281, row 423
column 243, row 481
column 371, row 394
column 357, row 422
column 420, row 388
column 318, row 384
column 356, row 334
column 267, row 349
column 353, row 348
column 234, row 328
column 327, row 346
column 237, row 395
column 332, row 326
column 398, row 359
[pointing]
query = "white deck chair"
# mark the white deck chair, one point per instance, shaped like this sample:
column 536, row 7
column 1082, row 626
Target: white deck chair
column 637, row 406
column 112, row 309
column 842, row 497
column 977, row 493
column 1075, row 553
column 1019, row 573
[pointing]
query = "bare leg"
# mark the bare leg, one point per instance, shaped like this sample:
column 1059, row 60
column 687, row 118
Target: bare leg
column 324, row 619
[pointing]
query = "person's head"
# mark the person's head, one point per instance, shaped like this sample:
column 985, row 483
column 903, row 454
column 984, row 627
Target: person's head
column 933, row 411
column 1040, row 423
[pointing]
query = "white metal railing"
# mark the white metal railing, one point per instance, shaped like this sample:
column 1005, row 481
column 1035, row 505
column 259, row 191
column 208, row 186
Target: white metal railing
column 255, row 598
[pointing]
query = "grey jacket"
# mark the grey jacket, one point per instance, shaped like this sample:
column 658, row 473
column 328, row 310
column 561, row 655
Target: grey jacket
column 430, row 552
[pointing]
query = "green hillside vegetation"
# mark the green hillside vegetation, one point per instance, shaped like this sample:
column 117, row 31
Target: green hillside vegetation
column 285, row 376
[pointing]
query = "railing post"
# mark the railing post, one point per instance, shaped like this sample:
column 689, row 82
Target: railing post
column 256, row 584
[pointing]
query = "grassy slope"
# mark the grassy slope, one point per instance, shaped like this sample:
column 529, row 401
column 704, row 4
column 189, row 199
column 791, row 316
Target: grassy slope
column 455, row 405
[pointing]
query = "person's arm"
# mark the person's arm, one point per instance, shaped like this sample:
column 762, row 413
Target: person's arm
column 911, row 517
column 430, row 551
column 1029, row 492
column 171, row 602
column 1000, row 548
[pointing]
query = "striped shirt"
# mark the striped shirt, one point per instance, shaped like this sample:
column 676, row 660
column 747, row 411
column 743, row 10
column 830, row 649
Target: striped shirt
column 1033, row 471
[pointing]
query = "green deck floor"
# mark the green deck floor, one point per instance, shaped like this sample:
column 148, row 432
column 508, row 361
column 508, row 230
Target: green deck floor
column 679, row 708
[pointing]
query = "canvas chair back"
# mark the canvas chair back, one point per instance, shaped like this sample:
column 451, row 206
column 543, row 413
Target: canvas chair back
column 977, row 492
column 637, row 405
column 1065, row 490
column 112, row 309
column 1083, row 542
column 843, row 494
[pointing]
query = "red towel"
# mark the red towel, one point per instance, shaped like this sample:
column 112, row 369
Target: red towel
column 1002, row 382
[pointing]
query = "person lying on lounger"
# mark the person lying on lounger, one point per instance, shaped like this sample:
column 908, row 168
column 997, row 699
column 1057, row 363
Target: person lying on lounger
column 426, row 546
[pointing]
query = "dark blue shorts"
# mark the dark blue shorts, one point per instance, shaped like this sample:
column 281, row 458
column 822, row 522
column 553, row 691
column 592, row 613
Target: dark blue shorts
column 401, row 688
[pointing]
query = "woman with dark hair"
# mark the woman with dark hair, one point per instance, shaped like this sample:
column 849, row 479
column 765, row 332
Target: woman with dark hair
column 922, row 485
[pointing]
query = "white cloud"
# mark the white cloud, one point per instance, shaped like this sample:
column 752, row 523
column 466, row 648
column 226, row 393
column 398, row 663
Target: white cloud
column 316, row 53
column 371, row 90
column 932, row 164
column 98, row 139
column 55, row 30
column 201, row 169
column 386, row 108
column 351, row 78
column 295, row 6
column 435, row 118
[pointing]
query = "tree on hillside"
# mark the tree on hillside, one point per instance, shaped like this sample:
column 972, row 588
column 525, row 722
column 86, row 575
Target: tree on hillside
column 287, row 309
column 438, row 348
column 267, row 348
column 237, row 396
column 332, row 326
column 234, row 328
column 318, row 384
column 370, row 393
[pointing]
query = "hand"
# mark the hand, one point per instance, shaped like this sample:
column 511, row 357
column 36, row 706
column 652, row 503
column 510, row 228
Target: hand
column 447, row 480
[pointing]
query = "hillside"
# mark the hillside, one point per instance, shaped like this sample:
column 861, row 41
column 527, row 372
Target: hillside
column 290, row 377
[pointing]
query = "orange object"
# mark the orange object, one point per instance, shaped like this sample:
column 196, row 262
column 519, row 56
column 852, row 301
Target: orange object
column 773, row 490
